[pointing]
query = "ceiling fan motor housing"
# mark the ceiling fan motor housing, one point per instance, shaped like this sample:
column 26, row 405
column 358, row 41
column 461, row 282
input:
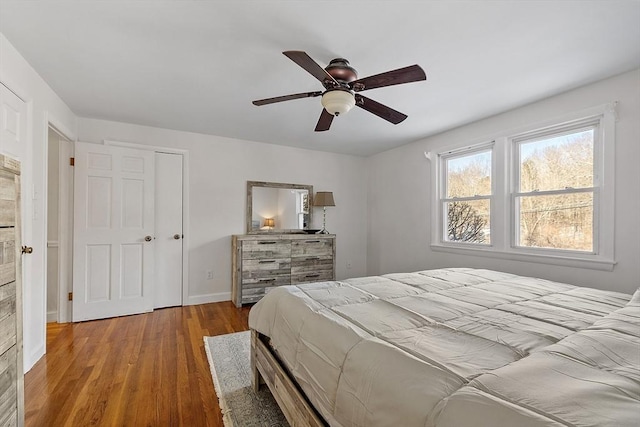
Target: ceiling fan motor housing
column 340, row 70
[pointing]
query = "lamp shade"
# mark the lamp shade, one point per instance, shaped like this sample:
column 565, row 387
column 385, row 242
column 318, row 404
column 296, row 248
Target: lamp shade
column 338, row 102
column 269, row 222
column 323, row 198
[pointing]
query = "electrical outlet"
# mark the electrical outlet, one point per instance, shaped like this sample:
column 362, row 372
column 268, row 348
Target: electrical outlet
column 349, row 265
column 209, row 274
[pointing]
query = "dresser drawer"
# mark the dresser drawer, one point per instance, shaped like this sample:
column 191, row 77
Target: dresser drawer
column 7, row 316
column 311, row 247
column 266, row 249
column 259, row 268
column 312, row 276
column 7, row 255
column 265, row 282
column 311, row 263
column 8, row 390
column 252, row 294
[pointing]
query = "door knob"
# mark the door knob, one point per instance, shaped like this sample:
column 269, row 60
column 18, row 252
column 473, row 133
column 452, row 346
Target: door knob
column 176, row 236
column 148, row 238
column 27, row 250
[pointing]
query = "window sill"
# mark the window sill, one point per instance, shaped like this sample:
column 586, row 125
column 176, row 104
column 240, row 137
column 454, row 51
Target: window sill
column 593, row 262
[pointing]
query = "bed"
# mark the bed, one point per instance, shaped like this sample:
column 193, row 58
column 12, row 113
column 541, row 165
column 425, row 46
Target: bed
column 449, row 348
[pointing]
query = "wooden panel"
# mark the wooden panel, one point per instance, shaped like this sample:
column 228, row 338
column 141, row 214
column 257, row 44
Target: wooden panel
column 7, row 316
column 7, row 255
column 279, row 280
column 311, row 263
column 261, row 249
column 11, row 370
column 8, row 382
column 257, row 268
column 313, row 246
column 8, row 193
column 292, row 402
column 10, row 165
column 318, row 276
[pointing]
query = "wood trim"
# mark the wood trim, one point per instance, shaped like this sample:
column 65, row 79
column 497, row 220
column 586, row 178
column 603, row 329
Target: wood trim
column 267, row 369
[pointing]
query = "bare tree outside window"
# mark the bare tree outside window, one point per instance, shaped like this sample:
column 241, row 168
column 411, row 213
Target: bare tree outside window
column 465, row 224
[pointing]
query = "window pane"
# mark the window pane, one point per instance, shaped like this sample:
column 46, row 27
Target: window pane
column 469, row 175
column 562, row 221
column 468, row 221
column 557, row 163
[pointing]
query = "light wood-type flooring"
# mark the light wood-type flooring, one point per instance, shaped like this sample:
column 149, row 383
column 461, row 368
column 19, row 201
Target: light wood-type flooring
column 142, row 370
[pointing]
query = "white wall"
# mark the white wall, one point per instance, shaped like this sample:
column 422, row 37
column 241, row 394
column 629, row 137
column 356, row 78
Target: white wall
column 219, row 170
column 399, row 192
column 44, row 107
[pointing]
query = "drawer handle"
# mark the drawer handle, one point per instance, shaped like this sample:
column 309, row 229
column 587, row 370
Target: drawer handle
column 267, row 243
column 312, row 275
column 267, row 280
column 312, row 241
column 269, row 261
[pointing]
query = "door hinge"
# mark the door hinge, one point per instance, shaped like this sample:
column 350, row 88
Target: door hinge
column 70, row 296
column 72, row 161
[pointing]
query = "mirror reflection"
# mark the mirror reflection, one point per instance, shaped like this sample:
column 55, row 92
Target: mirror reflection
column 278, row 207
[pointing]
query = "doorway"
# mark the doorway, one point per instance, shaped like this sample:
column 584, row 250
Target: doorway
column 58, row 257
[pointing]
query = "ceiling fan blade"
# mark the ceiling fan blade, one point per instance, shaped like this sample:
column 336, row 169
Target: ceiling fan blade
column 324, row 122
column 286, row 98
column 409, row 74
column 380, row 110
column 312, row 67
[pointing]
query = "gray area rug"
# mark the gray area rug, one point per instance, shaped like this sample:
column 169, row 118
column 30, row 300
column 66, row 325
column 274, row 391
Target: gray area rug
column 229, row 360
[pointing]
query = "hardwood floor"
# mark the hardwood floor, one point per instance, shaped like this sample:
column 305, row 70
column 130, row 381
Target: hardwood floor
column 142, row 370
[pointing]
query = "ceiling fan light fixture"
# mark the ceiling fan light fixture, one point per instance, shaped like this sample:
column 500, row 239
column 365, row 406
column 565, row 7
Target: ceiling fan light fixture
column 338, row 102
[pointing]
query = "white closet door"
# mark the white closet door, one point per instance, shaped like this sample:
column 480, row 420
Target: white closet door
column 113, row 231
column 13, row 129
column 168, row 220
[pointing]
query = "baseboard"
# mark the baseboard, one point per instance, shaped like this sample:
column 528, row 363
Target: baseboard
column 52, row 316
column 207, row 298
column 31, row 358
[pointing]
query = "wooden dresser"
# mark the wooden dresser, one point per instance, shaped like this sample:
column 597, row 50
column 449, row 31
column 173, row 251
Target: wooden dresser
column 11, row 371
column 264, row 261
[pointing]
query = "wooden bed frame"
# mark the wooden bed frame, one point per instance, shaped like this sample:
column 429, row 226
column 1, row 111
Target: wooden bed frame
column 267, row 369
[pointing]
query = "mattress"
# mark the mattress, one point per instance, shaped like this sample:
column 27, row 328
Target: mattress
column 458, row 347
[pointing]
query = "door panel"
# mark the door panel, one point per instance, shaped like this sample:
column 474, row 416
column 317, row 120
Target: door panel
column 13, row 118
column 113, row 213
column 168, row 220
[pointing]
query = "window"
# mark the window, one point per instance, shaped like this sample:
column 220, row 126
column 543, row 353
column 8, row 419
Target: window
column 466, row 204
column 554, row 192
column 543, row 194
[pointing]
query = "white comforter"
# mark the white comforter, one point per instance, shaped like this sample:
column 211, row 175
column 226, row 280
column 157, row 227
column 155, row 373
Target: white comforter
column 459, row 347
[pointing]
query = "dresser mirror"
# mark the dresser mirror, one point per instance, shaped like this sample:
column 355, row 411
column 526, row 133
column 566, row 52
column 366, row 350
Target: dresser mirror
column 274, row 207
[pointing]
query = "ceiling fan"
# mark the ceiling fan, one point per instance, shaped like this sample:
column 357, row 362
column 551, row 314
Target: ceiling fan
column 342, row 85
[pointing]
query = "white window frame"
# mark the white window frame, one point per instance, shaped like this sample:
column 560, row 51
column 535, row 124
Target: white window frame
column 504, row 180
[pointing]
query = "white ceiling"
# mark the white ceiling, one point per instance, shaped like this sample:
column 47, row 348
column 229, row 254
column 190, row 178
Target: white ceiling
column 197, row 65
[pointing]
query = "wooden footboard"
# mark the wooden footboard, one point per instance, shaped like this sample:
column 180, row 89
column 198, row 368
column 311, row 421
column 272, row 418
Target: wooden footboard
column 266, row 368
